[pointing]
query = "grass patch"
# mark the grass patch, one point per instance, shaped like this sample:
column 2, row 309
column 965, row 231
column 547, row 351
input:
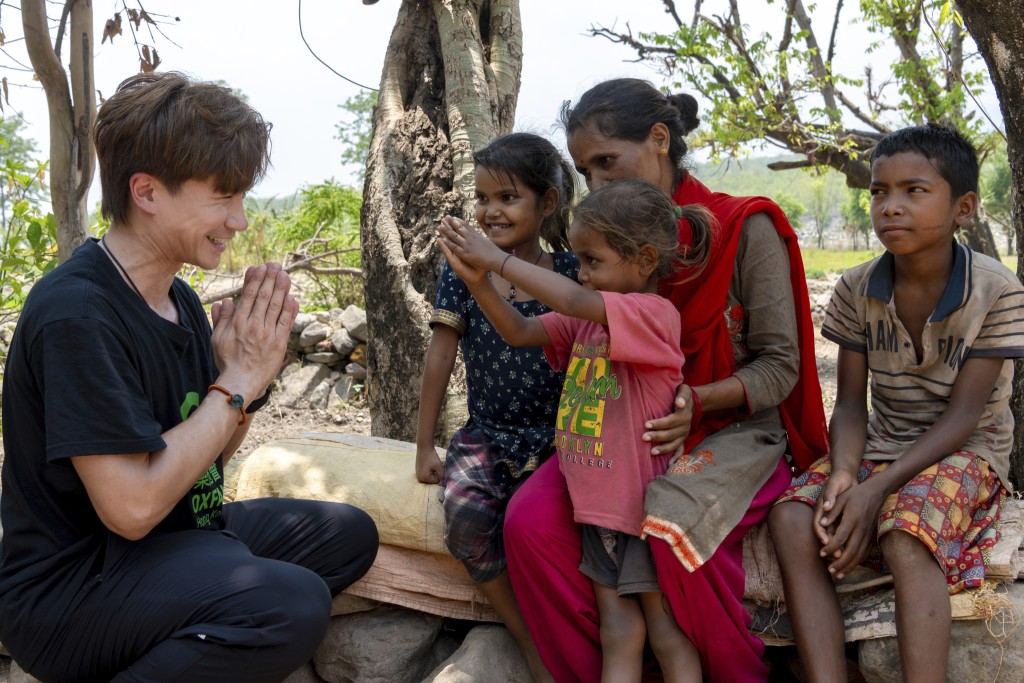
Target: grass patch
column 819, row 262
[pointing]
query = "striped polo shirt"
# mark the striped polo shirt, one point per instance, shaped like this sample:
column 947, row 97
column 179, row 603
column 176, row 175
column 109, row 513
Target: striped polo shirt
column 980, row 314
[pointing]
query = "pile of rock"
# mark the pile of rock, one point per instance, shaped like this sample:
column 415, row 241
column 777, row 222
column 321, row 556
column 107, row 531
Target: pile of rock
column 819, row 293
column 327, row 360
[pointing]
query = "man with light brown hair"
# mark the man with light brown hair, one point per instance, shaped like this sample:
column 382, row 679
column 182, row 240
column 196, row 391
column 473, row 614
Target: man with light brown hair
column 120, row 560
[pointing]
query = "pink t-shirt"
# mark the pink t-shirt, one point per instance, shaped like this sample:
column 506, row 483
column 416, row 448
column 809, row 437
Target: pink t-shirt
column 617, row 377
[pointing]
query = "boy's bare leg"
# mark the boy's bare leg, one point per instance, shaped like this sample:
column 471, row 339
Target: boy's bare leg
column 498, row 592
column 623, row 634
column 811, row 600
column 678, row 657
column 923, row 618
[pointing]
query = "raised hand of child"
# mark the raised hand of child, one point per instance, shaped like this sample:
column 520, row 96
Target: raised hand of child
column 470, row 245
column 855, row 518
column 466, row 271
column 838, row 481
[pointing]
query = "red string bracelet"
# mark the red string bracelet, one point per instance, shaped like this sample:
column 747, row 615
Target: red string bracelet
column 234, row 400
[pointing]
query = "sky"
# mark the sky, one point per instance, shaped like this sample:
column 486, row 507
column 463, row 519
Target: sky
column 256, row 47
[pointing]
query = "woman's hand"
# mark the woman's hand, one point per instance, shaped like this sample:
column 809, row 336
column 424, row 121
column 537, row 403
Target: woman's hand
column 670, row 431
column 250, row 337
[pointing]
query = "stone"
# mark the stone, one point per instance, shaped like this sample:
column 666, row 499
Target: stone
column 301, row 321
column 319, row 396
column 18, row 675
column 489, row 654
column 341, row 394
column 355, row 371
column 979, row 649
column 445, row 646
column 354, row 320
column 343, row 342
column 304, row 674
column 385, row 645
column 325, row 357
column 297, row 386
column 314, row 333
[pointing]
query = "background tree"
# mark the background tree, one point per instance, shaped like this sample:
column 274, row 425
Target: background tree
column 19, row 152
column 71, row 98
column 822, row 207
column 998, row 28
column 790, row 91
column 792, row 207
column 450, row 84
column 856, row 217
column 996, row 191
column 71, row 102
column 355, row 133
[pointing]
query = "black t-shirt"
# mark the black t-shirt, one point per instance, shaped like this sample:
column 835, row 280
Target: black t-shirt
column 91, row 370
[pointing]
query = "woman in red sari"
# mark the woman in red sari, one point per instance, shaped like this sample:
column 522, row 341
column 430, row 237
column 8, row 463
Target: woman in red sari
column 751, row 395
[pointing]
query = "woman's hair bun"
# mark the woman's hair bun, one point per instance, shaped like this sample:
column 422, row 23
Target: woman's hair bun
column 687, row 106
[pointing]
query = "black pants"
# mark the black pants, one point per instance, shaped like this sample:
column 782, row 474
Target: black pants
column 248, row 604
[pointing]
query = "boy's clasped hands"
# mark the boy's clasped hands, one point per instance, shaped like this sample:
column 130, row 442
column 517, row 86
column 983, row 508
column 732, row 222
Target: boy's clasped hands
column 846, row 519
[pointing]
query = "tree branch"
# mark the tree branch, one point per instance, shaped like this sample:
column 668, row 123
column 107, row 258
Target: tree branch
column 304, row 264
column 832, row 38
column 822, row 73
column 61, row 26
column 670, row 9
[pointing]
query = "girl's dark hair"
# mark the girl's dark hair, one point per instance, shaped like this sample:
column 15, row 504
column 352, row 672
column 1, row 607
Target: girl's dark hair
column 533, row 161
column 626, row 109
column 632, row 213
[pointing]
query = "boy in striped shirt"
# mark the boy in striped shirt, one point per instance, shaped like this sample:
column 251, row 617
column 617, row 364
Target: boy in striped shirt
column 933, row 326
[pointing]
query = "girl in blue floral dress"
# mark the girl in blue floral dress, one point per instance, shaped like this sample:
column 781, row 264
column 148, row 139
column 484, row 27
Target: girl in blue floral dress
column 524, row 189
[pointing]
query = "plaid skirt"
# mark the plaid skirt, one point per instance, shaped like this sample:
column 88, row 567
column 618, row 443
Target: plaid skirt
column 478, row 484
column 952, row 507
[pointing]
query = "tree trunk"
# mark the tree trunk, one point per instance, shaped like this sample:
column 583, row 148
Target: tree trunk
column 450, row 85
column 72, row 109
column 977, row 234
column 998, row 29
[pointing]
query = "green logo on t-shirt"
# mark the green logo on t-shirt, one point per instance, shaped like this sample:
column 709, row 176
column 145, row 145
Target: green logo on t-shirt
column 190, row 403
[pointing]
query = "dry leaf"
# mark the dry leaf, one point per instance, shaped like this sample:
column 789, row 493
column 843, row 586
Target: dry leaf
column 148, row 63
column 3, row 38
column 112, row 28
column 4, row 83
column 145, row 17
column 133, row 14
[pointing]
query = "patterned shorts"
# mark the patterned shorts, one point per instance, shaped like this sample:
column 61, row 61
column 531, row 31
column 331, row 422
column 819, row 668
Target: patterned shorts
column 475, row 498
column 951, row 507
